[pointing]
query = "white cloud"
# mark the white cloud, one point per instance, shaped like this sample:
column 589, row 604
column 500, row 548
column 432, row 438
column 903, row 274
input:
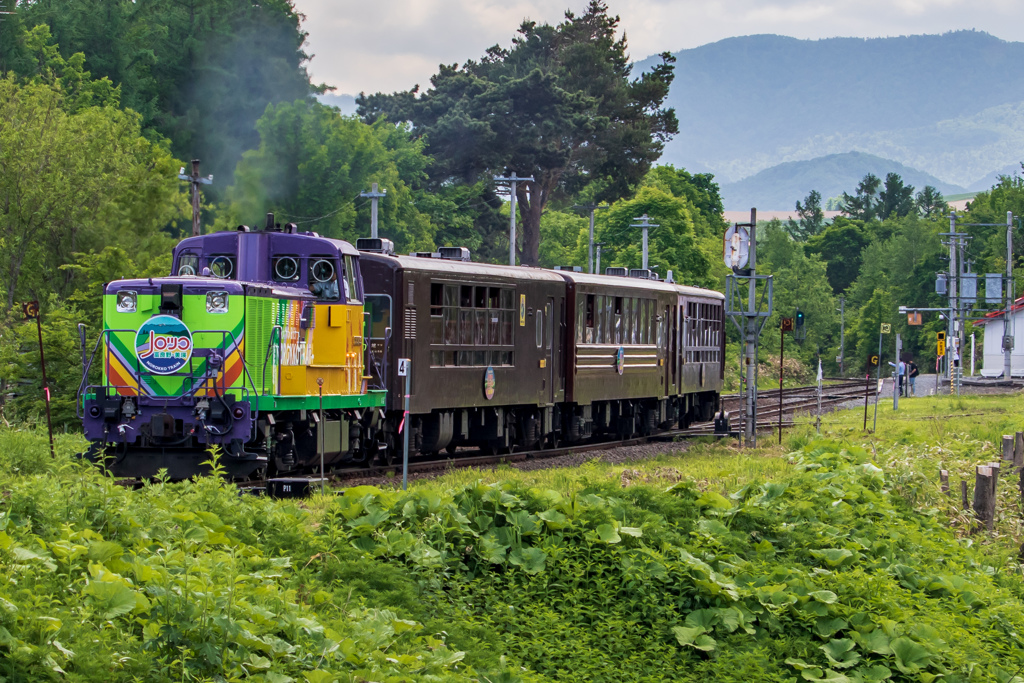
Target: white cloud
column 394, row 44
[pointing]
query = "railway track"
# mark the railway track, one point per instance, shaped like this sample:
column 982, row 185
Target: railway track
column 794, row 400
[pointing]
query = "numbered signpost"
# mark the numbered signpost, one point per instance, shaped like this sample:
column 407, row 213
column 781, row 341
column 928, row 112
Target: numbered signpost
column 403, row 371
column 885, row 328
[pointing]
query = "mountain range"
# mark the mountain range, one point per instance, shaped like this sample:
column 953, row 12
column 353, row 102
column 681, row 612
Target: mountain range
column 774, row 117
column 948, row 106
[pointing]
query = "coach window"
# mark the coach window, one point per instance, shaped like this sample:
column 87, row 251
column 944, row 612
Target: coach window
column 608, row 320
column 539, row 319
column 508, row 314
column 451, row 314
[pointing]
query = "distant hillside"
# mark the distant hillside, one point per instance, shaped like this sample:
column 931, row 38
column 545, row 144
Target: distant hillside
column 780, row 187
column 951, row 105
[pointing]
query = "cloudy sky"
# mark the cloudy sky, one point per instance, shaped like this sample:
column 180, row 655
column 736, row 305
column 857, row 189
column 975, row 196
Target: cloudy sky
column 388, row 45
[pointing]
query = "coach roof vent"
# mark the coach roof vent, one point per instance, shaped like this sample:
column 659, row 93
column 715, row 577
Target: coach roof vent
column 453, row 253
column 376, row 245
column 621, row 272
column 571, row 269
column 424, row 254
column 643, row 274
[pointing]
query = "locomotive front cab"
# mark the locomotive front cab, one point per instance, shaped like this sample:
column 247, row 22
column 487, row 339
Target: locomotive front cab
column 251, row 336
column 174, row 377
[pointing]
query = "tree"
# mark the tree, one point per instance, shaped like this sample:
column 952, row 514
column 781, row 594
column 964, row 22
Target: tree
column 864, row 205
column 558, row 105
column 840, row 245
column 673, row 245
column 895, row 199
column 930, row 202
column 311, row 165
column 198, row 72
column 73, row 181
column 800, row 282
column 812, row 218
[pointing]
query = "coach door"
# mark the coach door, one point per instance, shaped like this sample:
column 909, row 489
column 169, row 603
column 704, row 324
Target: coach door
column 672, row 350
column 548, row 335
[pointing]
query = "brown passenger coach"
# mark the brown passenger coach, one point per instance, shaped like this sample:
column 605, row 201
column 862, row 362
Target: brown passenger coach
column 510, row 357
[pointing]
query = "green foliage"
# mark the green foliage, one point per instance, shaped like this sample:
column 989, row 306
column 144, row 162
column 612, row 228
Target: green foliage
column 311, row 165
column 673, row 245
column 800, row 282
column 199, row 73
column 95, row 181
column 840, row 246
column 559, row 105
column 812, row 218
column 183, row 582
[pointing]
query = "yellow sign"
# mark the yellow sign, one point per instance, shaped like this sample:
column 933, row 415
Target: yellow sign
column 886, row 328
column 941, row 347
column 522, row 310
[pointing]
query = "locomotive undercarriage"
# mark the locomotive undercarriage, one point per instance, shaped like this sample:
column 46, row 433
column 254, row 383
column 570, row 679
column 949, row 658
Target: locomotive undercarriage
column 286, row 442
column 502, row 429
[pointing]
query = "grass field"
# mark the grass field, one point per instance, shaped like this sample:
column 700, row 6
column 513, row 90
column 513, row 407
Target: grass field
column 832, row 558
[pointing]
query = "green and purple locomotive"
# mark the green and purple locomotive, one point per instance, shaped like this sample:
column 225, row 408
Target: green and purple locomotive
column 254, row 344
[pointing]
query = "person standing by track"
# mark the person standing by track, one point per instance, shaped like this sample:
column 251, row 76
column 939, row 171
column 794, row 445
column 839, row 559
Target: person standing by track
column 912, row 373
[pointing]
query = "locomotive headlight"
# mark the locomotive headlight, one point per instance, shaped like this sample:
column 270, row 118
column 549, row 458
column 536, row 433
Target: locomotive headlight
column 216, row 302
column 127, row 301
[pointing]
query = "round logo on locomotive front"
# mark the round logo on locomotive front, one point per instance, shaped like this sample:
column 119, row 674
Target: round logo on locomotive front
column 489, row 383
column 620, row 360
column 163, row 344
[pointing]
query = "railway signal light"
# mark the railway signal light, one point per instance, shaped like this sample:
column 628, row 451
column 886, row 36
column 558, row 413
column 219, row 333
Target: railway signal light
column 799, row 320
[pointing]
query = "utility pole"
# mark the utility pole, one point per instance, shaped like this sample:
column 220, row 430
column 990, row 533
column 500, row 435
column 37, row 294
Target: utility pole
column 1008, row 336
column 842, row 335
column 373, row 195
column 512, row 180
column 645, row 223
column 195, row 180
column 598, row 245
column 591, row 207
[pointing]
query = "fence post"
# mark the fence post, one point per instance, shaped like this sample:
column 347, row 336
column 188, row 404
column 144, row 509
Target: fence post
column 944, row 481
column 963, row 493
column 983, row 496
column 1008, row 446
column 1018, row 450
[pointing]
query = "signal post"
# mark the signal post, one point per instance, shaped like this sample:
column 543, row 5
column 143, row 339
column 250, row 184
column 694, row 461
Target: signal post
column 748, row 303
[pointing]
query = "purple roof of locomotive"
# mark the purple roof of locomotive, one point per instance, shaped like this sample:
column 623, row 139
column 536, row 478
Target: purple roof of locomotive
column 254, row 250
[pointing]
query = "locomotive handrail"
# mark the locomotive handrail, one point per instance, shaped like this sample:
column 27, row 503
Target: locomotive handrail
column 191, row 376
column 82, row 387
column 276, row 330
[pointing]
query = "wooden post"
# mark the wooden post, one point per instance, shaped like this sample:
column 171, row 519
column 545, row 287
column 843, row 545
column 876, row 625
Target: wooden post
column 983, row 491
column 963, row 493
column 1008, row 447
column 1018, row 450
column 1020, row 485
column 944, row 481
